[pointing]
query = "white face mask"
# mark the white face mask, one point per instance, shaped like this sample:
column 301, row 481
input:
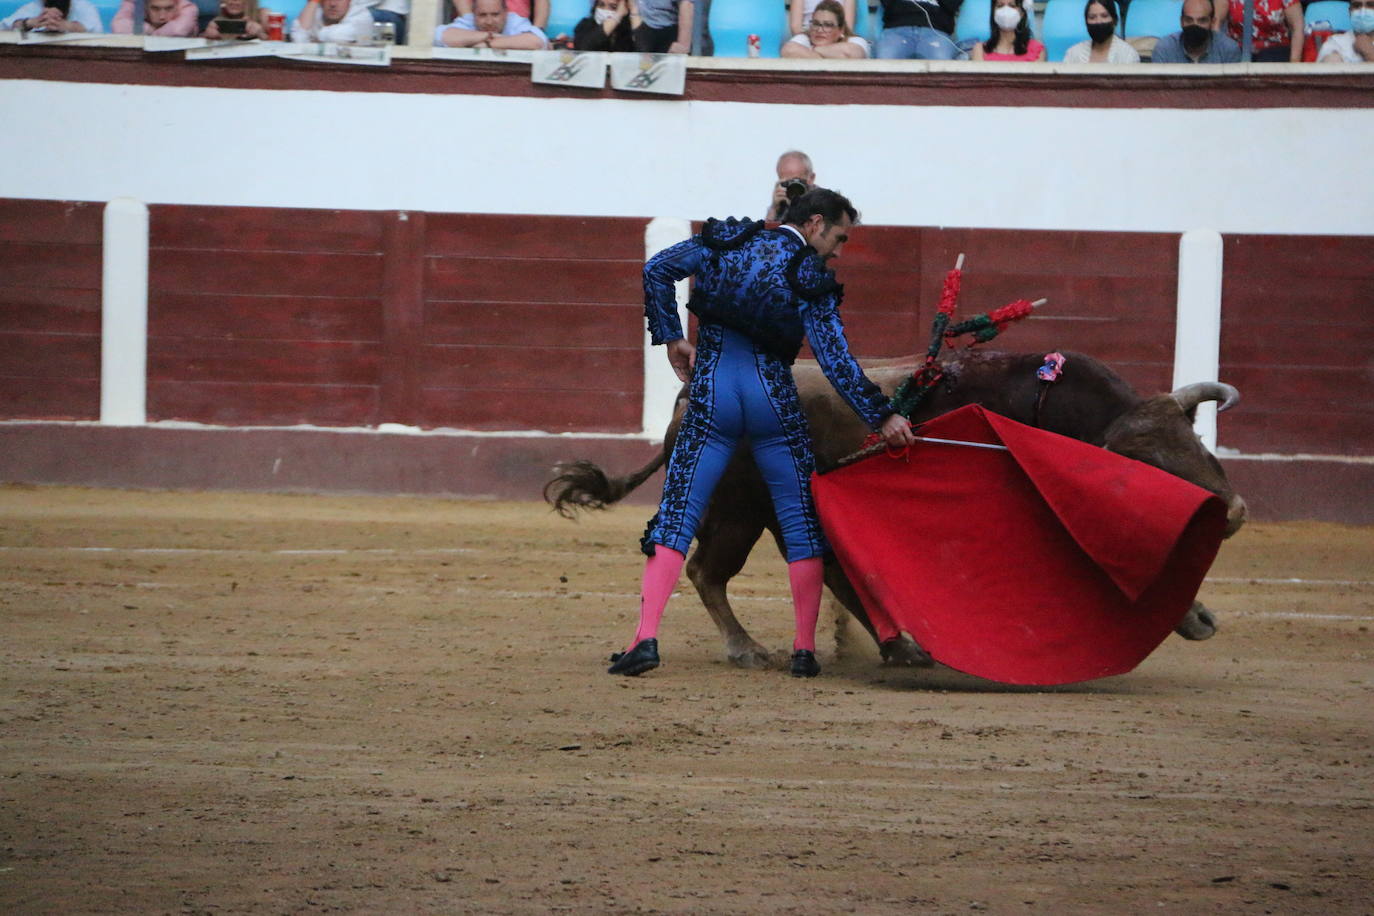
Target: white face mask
column 602, row 15
column 1007, row 17
column 1362, row 20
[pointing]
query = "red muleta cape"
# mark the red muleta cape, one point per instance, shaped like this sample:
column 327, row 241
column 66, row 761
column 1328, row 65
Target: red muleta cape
column 1050, row 562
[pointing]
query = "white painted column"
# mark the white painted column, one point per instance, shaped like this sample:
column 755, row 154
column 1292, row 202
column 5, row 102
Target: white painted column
column 124, row 314
column 421, row 23
column 1197, row 327
column 660, row 381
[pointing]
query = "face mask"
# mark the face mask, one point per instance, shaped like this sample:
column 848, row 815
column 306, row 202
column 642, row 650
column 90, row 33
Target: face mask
column 602, row 15
column 1007, row 17
column 1362, row 20
column 1195, row 36
column 1100, row 31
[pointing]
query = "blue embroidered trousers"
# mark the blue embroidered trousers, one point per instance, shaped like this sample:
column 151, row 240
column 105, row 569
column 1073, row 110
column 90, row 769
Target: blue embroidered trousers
column 739, row 393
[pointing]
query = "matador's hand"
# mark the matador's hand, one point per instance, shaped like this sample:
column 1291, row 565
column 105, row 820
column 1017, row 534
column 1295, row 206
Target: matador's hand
column 683, row 357
column 896, row 429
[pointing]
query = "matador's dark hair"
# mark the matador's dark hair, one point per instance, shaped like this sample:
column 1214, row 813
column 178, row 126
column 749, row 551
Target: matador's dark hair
column 831, row 205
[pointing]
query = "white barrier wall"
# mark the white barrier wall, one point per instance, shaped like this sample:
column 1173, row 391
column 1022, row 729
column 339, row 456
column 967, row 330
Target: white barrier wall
column 1054, row 168
column 124, row 314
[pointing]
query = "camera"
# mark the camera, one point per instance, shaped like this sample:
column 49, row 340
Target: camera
column 794, row 188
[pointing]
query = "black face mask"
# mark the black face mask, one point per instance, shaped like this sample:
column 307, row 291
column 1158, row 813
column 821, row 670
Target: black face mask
column 1195, row 36
column 1100, row 31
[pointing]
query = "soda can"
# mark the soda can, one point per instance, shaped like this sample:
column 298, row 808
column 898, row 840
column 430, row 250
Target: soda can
column 276, row 26
column 755, row 45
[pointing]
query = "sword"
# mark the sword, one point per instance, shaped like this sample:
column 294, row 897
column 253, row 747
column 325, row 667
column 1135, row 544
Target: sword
column 879, row 447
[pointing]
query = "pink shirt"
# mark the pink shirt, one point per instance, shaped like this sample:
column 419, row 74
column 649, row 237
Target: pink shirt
column 181, row 25
column 1033, row 49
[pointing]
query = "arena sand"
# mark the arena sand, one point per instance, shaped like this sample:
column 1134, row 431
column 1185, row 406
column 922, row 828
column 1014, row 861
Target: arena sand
column 284, row 704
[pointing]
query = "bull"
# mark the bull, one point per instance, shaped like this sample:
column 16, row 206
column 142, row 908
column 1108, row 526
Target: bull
column 1090, row 402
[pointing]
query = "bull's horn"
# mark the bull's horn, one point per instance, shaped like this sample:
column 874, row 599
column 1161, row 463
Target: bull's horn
column 1189, row 396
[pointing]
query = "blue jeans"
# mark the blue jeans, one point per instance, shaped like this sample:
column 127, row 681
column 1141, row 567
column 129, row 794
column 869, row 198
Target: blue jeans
column 908, row 42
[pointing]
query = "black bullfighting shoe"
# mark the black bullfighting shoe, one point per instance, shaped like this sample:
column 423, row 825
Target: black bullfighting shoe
column 804, row 663
column 643, row 657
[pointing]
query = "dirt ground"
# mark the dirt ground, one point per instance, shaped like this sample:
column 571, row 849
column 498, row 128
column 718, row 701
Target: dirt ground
column 229, row 703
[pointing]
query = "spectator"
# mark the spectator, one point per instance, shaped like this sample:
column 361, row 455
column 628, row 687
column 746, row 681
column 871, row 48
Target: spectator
column 1357, row 45
column 828, row 35
column 1197, row 43
column 799, row 13
column 237, row 19
column 333, row 21
column 1009, row 21
column 609, row 26
column 1279, row 29
column 795, row 178
column 55, row 16
column 1103, row 45
column 491, row 25
column 173, row 18
column 918, row 29
column 396, row 12
column 536, row 11
column 665, row 26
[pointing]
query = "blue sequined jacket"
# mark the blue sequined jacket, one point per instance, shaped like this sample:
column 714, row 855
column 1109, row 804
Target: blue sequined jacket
column 770, row 286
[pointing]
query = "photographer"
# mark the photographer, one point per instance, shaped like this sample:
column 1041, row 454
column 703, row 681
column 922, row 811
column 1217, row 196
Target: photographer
column 795, row 178
column 55, row 16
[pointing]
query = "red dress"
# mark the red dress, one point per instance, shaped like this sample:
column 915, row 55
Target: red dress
column 1271, row 29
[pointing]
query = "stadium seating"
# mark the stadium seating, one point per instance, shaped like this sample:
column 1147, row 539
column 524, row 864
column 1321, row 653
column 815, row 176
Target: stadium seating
column 865, row 22
column 1153, row 18
column 1336, row 12
column 564, row 15
column 107, row 9
column 972, row 23
column 289, row 8
column 1063, row 27
column 733, row 21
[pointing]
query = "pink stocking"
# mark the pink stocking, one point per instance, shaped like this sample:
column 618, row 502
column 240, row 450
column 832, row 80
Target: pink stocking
column 806, row 578
column 660, row 576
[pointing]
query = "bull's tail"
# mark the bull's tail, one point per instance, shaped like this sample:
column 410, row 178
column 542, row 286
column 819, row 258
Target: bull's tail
column 583, row 485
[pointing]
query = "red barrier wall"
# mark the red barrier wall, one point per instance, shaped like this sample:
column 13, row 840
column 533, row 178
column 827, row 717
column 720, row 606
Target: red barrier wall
column 50, row 309
column 1295, row 339
column 531, row 322
column 337, row 318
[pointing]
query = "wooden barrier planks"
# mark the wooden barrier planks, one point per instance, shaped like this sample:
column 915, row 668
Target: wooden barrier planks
column 532, row 322
column 265, row 316
column 50, row 279
column 278, row 316
column 1295, row 340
